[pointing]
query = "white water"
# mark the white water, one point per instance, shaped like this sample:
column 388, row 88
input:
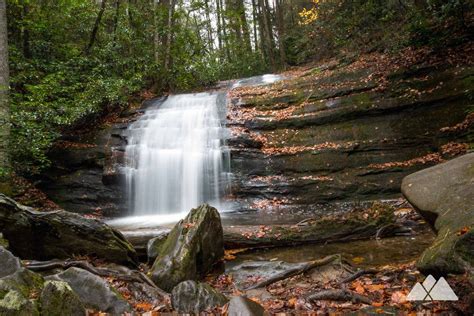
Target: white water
column 177, row 158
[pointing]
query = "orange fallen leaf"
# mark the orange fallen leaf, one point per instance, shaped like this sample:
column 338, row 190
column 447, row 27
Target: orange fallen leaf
column 292, row 302
column 463, row 230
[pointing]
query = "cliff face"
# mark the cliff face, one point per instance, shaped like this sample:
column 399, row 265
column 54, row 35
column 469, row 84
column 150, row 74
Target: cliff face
column 345, row 133
column 337, row 132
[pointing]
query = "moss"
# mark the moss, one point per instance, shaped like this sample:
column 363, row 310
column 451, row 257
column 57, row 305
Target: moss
column 14, row 303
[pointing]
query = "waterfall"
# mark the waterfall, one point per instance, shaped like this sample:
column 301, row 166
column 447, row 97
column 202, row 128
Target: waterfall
column 176, row 156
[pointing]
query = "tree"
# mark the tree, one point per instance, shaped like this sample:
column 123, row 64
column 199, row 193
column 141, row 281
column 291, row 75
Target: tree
column 4, row 91
column 95, row 28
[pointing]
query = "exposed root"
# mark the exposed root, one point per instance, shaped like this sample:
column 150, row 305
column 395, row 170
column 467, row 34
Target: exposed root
column 339, row 295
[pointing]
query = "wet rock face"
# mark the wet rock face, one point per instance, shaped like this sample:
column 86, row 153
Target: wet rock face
column 319, row 139
column 191, row 250
column 60, row 234
column 193, row 297
column 444, row 196
column 93, row 291
column 84, row 176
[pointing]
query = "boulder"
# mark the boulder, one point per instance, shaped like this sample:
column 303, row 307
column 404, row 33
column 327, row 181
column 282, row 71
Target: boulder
column 15, row 304
column 17, row 291
column 191, row 250
column 93, row 291
column 192, row 297
column 153, row 247
column 60, row 234
column 9, row 263
column 242, row 306
column 444, row 196
column 57, row 299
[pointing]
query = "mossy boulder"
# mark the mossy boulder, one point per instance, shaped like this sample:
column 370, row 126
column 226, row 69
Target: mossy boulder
column 93, row 291
column 18, row 293
column 57, row 299
column 15, row 304
column 191, row 250
column 8, row 262
column 60, row 234
column 193, row 297
column 444, row 196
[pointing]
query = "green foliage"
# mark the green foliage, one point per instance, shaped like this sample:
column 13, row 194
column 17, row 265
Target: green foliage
column 57, row 85
column 367, row 25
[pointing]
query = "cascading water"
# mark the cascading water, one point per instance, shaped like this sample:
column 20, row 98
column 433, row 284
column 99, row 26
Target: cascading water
column 177, row 157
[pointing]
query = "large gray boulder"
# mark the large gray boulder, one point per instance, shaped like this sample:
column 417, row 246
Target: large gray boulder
column 9, row 264
column 191, row 250
column 192, row 297
column 93, row 291
column 444, row 196
column 60, row 234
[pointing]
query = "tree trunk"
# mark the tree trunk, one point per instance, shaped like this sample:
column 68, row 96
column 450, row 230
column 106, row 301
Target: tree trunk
column 156, row 35
column 4, row 104
column 95, row 29
column 25, row 33
column 254, row 17
column 224, row 29
column 116, row 20
column 281, row 32
column 243, row 24
column 209, row 25
column 219, row 28
column 169, row 34
column 267, row 33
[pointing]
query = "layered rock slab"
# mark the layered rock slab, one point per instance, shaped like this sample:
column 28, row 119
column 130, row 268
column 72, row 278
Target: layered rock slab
column 60, row 234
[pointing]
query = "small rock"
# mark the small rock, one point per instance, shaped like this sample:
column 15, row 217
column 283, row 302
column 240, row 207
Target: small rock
column 192, row 297
column 93, row 291
column 9, row 263
column 153, row 247
column 57, row 299
column 191, row 250
column 242, row 306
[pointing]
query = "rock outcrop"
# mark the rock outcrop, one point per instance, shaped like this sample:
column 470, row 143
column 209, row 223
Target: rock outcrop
column 192, row 297
column 444, row 196
column 330, row 134
column 191, row 250
column 60, row 234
